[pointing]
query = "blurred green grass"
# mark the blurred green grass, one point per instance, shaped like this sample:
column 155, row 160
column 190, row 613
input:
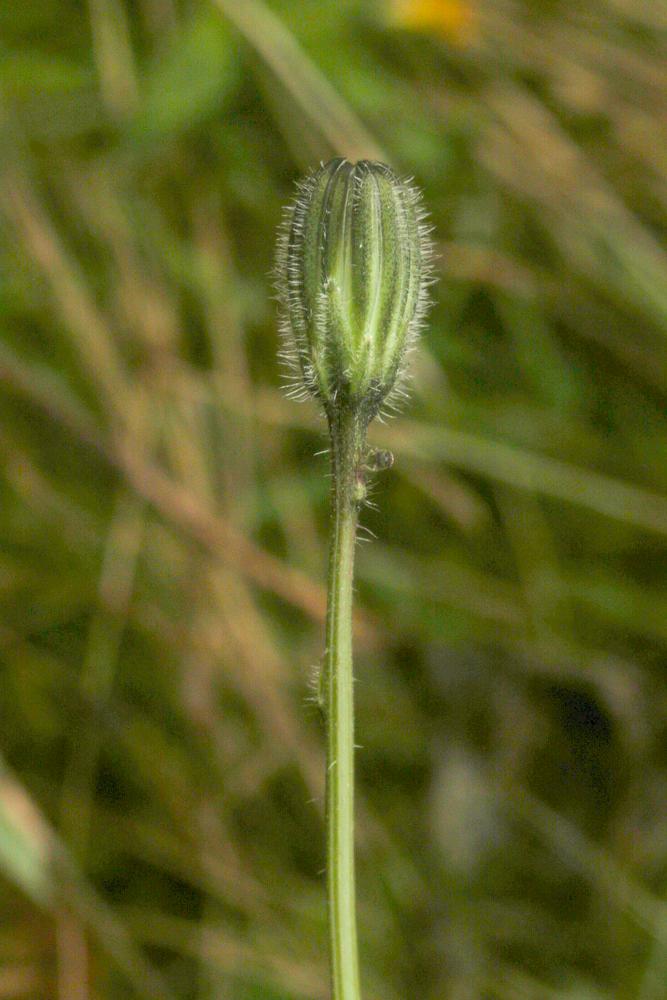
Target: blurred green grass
column 163, row 517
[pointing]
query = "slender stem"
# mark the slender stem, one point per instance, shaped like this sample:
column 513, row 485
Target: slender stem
column 347, row 441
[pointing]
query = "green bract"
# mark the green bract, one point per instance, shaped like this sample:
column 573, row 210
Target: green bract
column 353, row 270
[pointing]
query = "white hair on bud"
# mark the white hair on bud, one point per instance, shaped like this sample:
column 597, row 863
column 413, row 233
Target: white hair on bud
column 316, row 364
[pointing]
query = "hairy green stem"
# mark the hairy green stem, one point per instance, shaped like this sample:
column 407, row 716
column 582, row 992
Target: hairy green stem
column 347, row 445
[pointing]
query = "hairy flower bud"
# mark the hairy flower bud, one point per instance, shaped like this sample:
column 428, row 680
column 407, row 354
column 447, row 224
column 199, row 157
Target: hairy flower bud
column 353, row 269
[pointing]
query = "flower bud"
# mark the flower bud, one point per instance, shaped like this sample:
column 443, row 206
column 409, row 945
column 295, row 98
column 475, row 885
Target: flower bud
column 353, row 267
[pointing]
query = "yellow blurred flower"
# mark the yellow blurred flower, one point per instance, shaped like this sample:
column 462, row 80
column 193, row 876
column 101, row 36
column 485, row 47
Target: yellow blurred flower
column 451, row 20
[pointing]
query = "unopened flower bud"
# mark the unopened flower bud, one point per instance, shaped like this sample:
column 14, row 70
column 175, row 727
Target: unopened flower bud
column 353, row 270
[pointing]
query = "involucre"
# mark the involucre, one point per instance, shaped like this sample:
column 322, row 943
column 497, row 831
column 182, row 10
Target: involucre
column 353, row 269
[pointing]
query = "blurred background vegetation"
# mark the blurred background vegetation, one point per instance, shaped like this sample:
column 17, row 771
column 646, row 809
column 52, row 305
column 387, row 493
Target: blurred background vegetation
column 163, row 515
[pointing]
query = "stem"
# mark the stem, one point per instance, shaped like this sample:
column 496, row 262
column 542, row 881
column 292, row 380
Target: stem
column 347, row 440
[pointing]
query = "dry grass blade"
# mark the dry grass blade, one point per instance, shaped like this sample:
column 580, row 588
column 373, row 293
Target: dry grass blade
column 524, row 470
column 83, row 321
column 43, row 866
column 311, row 92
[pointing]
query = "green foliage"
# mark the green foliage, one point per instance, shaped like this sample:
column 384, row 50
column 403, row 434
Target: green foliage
column 187, row 84
column 163, row 517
